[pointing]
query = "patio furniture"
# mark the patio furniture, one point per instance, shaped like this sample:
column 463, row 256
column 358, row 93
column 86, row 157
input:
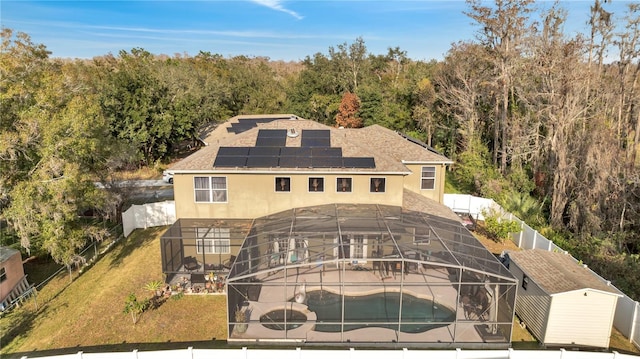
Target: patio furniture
column 197, row 278
column 190, row 263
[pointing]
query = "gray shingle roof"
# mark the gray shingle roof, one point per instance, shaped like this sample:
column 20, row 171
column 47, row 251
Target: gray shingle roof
column 387, row 147
column 557, row 272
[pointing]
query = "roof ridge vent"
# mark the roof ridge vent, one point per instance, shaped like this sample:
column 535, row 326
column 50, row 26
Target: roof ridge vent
column 292, row 133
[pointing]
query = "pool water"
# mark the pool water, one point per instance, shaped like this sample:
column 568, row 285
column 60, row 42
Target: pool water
column 275, row 319
column 377, row 310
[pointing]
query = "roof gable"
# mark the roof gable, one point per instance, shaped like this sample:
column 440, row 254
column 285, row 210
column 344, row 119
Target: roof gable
column 385, row 149
column 556, row 272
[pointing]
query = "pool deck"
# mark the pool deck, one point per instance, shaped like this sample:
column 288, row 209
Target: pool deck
column 429, row 283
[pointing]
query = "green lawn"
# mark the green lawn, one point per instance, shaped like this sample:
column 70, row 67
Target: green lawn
column 89, row 312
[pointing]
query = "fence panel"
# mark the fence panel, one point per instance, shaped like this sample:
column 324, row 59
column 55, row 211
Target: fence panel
column 298, row 353
column 148, row 215
column 627, row 316
column 622, row 318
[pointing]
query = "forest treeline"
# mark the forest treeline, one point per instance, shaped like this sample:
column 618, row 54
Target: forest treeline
column 546, row 123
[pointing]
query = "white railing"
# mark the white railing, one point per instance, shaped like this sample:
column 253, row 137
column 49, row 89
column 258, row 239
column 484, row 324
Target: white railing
column 148, row 215
column 297, row 353
column 627, row 316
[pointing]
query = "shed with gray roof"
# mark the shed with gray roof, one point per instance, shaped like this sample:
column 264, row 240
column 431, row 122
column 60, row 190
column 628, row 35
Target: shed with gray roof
column 562, row 302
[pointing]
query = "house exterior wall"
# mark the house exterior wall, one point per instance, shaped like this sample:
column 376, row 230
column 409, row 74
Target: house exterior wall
column 532, row 304
column 13, row 274
column 252, row 195
column 576, row 318
column 412, row 181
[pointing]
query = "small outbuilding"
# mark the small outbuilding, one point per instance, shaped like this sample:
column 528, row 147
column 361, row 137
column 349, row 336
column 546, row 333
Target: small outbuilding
column 13, row 281
column 561, row 301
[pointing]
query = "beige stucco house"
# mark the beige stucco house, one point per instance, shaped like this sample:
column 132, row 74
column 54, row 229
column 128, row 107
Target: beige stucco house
column 561, row 301
column 257, row 165
column 288, row 210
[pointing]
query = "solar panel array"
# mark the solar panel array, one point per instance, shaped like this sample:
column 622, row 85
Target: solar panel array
column 245, row 124
column 271, row 151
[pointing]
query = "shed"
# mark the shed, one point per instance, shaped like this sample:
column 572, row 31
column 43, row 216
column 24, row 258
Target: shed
column 561, row 301
column 13, row 281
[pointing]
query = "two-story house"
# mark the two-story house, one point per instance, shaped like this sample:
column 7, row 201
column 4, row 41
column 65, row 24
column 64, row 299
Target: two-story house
column 310, row 225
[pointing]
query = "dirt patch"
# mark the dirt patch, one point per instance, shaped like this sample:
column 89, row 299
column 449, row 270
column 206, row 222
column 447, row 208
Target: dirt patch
column 495, row 247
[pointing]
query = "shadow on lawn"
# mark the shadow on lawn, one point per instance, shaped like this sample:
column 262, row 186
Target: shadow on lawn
column 127, row 246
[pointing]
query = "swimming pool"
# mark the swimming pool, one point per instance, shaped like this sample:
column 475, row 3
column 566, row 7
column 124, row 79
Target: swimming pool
column 377, row 310
column 275, row 319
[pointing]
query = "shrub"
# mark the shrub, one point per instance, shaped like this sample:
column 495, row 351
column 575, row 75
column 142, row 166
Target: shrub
column 498, row 228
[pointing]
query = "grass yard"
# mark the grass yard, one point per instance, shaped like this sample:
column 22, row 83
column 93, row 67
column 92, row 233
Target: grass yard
column 89, row 312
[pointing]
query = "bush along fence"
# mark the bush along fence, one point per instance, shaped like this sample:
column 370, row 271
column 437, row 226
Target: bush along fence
column 627, row 316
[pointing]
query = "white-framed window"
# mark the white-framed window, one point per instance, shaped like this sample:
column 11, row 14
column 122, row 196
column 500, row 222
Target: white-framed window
column 213, row 240
column 421, row 236
column 358, row 246
column 428, row 177
column 316, row 184
column 210, row 189
column 3, row 274
column 377, row 185
column 343, row 184
column 283, row 184
column 352, row 246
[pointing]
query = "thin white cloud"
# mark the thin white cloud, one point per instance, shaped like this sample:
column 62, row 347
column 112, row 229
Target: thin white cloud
column 277, row 5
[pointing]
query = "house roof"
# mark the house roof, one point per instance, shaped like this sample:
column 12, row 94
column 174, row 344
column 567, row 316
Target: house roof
column 556, row 272
column 6, row 253
column 387, row 148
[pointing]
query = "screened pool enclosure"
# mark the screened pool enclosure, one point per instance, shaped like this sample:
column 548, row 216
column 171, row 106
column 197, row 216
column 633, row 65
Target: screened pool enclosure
column 367, row 274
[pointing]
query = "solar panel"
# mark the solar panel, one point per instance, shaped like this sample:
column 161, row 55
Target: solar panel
column 277, row 133
column 316, row 133
column 295, row 151
column 315, row 142
column 271, row 142
column 262, row 161
column 295, row 162
column 230, row 161
column 359, row 162
column 326, row 152
column 264, row 151
column 326, row 162
column 233, row 151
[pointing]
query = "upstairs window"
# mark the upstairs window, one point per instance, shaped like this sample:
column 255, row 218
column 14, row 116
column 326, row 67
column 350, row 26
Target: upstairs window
column 525, row 281
column 3, row 274
column 283, row 184
column 428, row 177
column 316, row 184
column 210, row 189
column 343, row 184
column 377, row 184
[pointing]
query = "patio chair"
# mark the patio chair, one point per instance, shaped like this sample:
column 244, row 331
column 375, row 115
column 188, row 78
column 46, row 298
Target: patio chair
column 191, row 263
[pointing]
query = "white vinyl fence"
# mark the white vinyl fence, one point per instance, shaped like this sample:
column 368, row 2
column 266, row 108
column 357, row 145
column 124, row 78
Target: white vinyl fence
column 148, row 215
column 627, row 316
column 298, row 353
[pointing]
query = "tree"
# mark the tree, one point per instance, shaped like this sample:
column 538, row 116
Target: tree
column 347, row 113
column 56, row 142
column 350, row 60
column 503, row 29
column 134, row 307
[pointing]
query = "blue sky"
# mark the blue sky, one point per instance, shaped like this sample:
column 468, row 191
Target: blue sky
column 280, row 30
